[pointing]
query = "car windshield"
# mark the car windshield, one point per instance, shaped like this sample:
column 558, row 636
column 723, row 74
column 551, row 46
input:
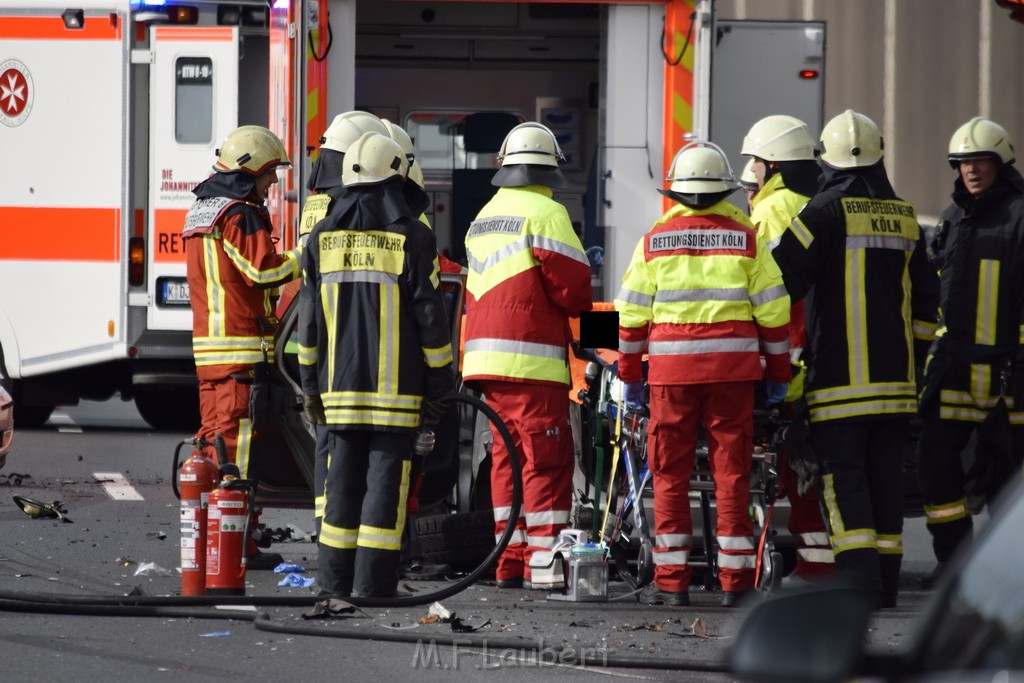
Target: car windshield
column 980, row 620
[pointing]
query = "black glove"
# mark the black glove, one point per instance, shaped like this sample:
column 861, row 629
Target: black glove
column 802, row 459
column 313, row 407
column 433, row 411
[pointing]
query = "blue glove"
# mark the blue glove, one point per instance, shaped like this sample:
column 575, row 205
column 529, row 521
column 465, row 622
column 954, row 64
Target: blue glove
column 633, row 395
column 776, row 391
column 596, row 256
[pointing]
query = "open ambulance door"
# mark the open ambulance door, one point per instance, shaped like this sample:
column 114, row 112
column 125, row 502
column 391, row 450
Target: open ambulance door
column 193, row 106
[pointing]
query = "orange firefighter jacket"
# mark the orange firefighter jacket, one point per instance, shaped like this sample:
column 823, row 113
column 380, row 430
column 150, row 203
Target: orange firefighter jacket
column 233, row 269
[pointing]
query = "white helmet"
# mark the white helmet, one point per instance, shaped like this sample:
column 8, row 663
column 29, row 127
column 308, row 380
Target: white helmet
column 373, row 159
column 530, row 143
column 346, row 128
column 779, row 138
column 851, row 140
column 700, row 168
column 747, row 179
column 399, row 135
column 979, row 137
column 253, row 149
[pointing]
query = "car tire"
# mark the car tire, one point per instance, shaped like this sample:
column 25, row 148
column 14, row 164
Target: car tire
column 169, row 411
column 462, row 540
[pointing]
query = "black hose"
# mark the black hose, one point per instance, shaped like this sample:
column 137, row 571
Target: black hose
column 177, row 466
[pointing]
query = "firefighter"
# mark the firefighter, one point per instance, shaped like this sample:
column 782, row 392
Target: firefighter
column 325, row 187
column 233, row 270
column 977, row 356
column 705, row 300
column 870, row 320
column 527, row 275
column 325, row 176
column 781, row 152
column 374, row 353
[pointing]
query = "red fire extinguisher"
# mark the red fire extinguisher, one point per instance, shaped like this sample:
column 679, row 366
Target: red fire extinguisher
column 227, row 524
column 196, row 478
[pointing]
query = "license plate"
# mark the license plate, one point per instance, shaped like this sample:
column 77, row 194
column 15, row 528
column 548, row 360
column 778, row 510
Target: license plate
column 173, row 291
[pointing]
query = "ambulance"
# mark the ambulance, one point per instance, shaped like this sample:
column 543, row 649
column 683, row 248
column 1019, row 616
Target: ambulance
column 112, row 110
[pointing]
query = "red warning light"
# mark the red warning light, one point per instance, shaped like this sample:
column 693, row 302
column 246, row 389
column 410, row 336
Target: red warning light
column 808, row 74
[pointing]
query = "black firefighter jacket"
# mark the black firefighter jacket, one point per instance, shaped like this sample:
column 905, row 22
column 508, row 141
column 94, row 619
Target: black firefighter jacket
column 373, row 339
column 980, row 249
column 874, row 308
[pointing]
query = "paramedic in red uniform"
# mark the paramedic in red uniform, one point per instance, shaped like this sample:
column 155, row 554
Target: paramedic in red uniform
column 527, row 275
column 233, row 271
column 705, row 300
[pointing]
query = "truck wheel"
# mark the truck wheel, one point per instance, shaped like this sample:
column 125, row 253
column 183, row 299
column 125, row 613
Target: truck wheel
column 174, row 410
column 463, row 540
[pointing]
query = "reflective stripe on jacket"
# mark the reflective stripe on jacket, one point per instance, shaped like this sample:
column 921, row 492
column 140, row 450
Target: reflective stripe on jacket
column 232, row 275
column 527, row 275
column 705, row 299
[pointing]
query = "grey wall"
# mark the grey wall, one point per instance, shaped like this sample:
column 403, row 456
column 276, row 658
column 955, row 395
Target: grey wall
column 918, row 68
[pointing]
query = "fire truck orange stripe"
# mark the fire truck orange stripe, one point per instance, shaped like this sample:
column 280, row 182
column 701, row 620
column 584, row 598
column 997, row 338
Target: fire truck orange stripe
column 168, row 246
column 52, row 28
column 193, row 33
column 678, row 88
column 71, row 234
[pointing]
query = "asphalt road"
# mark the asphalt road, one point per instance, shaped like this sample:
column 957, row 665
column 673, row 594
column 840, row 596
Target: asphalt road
column 118, row 544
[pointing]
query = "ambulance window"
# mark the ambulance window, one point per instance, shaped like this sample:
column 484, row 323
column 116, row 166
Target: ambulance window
column 438, row 140
column 193, row 100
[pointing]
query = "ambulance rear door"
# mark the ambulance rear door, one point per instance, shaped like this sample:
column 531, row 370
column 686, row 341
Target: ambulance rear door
column 194, row 105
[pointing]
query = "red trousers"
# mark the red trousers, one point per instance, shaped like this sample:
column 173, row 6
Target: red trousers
column 224, row 409
column 726, row 411
column 537, row 415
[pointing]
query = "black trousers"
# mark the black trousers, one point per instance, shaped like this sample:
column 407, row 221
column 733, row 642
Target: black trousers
column 367, row 487
column 862, row 491
column 940, row 470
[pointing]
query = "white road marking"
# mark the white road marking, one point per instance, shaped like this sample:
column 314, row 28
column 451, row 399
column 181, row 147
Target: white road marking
column 117, row 486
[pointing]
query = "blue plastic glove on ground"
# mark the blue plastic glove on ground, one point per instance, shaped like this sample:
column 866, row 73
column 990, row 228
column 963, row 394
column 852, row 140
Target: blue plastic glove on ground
column 776, row 391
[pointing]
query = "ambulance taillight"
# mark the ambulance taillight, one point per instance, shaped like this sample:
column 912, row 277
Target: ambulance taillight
column 136, row 261
column 183, row 14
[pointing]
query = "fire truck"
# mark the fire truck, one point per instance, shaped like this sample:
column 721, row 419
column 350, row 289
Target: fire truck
column 111, row 111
